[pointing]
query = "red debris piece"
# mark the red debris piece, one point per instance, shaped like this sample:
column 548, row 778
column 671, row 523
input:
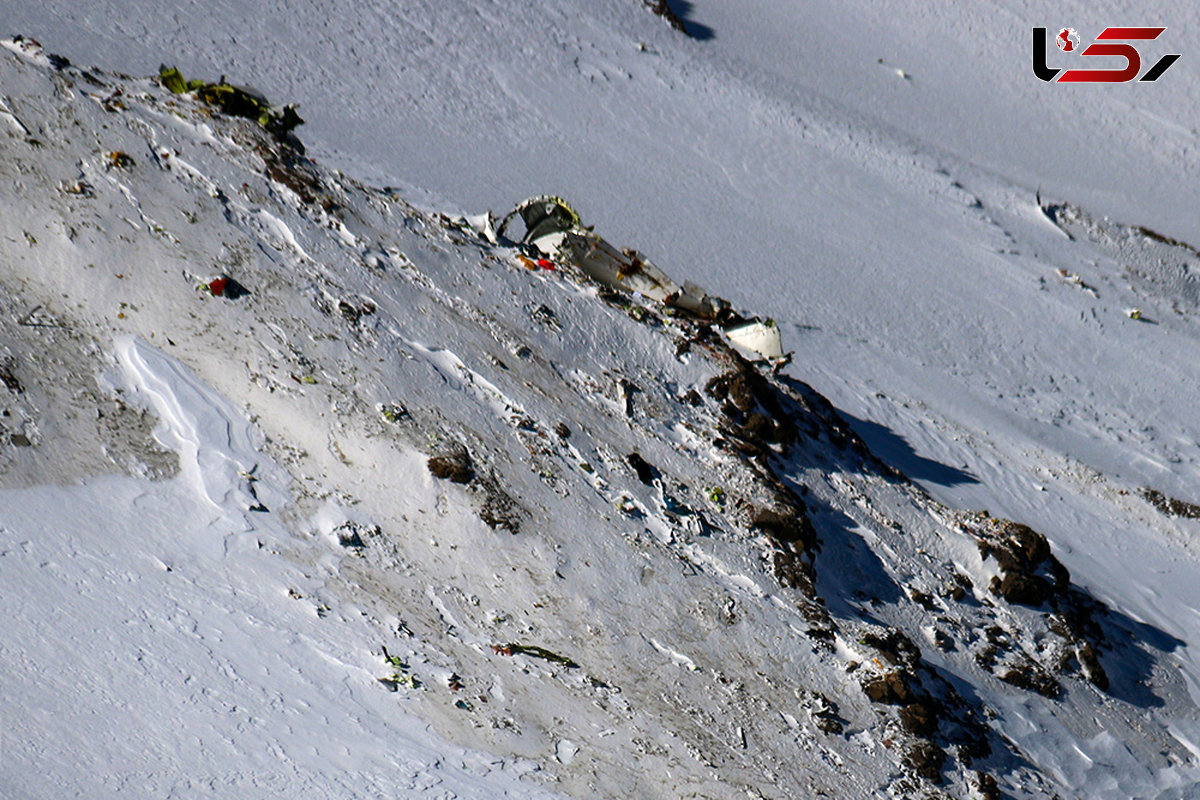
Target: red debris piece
column 217, row 286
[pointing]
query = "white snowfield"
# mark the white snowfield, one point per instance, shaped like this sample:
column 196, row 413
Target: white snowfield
column 228, row 570
column 153, row 650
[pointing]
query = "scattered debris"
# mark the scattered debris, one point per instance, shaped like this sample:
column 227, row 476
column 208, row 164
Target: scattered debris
column 39, row 317
column 765, row 422
column 117, row 159
column 350, row 534
column 236, row 101
column 553, row 230
column 393, row 412
column 400, row 676
column 79, row 188
column 757, row 340
column 1073, row 279
column 227, row 287
column 1170, row 506
column 513, row 649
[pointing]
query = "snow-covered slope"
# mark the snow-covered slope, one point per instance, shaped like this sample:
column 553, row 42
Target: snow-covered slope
column 648, row 568
column 865, row 173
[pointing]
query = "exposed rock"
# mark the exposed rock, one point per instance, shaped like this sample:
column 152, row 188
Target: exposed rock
column 9, row 379
column 824, row 713
column 891, row 688
column 1022, row 588
column 918, row 719
column 985, row 787
column 499, row 510
column 454, row 466
column 958, row 588
column 925, row 758
column 895, row 646
column 1028, row 675
column 923, row 599
column 1171, row 506
column 350, row 534
column 790, row 524
column 646, row 472
column 1089, row 662
column 662, row 9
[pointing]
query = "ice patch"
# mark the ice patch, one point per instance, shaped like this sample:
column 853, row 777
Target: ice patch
column 282, row 232
column 6, row 114
column 674, row 655
column 219, row 459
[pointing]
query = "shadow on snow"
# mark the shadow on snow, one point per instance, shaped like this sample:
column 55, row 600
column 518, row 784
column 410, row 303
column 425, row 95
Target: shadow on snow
column 893, row 449
column 682, row 9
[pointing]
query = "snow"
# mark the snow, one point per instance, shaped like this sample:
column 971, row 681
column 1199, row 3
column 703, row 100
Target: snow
column 866, row 174
column 174, row 660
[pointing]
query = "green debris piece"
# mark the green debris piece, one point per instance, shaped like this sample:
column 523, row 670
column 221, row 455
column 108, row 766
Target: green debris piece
column 234, row 100
column 393, row 412
column 400, row 675
column 172, row 79
column 118, row 159
column 400, row 679
column 513, row 649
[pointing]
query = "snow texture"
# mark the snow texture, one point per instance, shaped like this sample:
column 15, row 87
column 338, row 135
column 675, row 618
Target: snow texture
column 229, row 569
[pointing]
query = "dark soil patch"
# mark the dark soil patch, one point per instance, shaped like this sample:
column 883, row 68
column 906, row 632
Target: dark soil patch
column 454, row 466
column 1170, row 506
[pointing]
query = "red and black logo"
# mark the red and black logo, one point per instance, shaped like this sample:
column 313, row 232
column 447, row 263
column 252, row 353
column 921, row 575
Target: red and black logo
column 1111, row 42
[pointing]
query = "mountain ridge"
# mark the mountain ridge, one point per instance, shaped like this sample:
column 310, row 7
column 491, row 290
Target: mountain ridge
column 761, row 596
